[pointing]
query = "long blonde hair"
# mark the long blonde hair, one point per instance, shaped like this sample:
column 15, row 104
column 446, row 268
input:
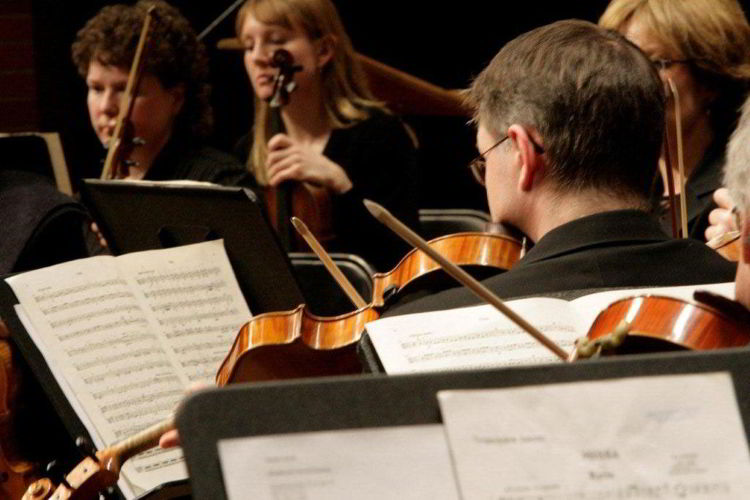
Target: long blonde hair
column 713, row 34
column 346, row 95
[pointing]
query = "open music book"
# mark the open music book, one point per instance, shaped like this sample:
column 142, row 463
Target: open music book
column 125, row 336
column 481, row 337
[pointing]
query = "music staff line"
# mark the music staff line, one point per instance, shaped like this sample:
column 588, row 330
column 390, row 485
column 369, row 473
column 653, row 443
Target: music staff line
column 103, row 327
column 141, row 384
column 185, row 275
column 198, row 330
column 197, row 317
column 145, row 398
column 118, row 357
column 160, row 408
column 95, row 314
column 109, row 343
column 226, row 298
column 198, row 346
column 87, row 301
column 126, row 371
column 78, row 289
column 214, row 285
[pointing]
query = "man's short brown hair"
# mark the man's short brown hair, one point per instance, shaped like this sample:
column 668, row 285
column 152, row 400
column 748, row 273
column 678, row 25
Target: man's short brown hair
column 174, row 55
column 594, row 98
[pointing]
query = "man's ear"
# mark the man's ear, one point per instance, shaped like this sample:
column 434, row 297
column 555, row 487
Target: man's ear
column 530, row 160
column 326, row 50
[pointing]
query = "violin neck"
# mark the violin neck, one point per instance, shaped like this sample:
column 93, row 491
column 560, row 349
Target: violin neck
column 283, row 192
column 275, row 122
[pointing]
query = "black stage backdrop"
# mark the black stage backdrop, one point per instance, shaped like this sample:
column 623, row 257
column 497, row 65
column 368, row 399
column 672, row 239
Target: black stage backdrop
column 444, row 43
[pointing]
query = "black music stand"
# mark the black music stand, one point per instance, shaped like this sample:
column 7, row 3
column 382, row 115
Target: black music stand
column 379, row 401
column 136, row 216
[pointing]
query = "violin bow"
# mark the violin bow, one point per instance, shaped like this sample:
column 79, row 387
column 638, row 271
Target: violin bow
column 680, row 156
column 112, row 167
column 332, row 268
column 219, row 19
column 398, row 227
column 670, row 184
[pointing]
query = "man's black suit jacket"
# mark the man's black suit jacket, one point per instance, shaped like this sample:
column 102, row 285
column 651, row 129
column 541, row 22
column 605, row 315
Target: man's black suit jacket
column 624, row 248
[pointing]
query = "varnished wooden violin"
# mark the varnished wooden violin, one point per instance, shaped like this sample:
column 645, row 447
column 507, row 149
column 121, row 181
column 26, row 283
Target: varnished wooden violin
column 464, row 249
column 302, row 199
column 297, row 343
column 99, row 471
column 655, row 324
column 728, row 245
column 15, row 473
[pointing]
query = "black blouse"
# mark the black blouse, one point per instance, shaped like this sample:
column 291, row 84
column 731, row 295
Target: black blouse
column 380, row 159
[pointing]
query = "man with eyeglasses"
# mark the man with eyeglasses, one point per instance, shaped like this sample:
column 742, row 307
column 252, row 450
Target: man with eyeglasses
column 570, row 121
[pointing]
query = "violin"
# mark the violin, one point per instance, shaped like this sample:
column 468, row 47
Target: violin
column 727, row 244
column 98, row 471
column 122, row 141
column 16, row 473
column 294, row 344
column 657, row 324
column 297, row 343
column 303, row 199
column 487, row 250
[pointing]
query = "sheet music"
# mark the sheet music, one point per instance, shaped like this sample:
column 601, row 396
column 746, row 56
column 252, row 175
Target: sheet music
column 472, row 337
column 663, row 437
column 408, row 463
column 480, row 336
column 125, row 336
column 196, row 301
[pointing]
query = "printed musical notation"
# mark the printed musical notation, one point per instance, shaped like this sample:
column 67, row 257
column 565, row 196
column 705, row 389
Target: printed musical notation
column 125, row 336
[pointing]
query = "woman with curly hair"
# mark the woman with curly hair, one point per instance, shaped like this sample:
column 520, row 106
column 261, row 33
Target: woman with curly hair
column 703, row 46
column 171, row 113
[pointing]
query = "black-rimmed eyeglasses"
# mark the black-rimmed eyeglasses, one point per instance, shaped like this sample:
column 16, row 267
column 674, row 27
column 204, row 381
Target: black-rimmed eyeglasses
column 478, row 165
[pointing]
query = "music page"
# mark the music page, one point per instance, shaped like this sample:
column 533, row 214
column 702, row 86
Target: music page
column 482, row 337
column 126, row 336
column 472, row 337
column 408, row 463
column 662, row 437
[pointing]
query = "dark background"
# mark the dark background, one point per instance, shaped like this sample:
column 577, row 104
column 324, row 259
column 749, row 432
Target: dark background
column 444, row 43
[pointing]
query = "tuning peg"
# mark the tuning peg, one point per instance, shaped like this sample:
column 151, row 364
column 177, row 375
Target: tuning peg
column 56, row 473
column 86, row 448
column 138, row 141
